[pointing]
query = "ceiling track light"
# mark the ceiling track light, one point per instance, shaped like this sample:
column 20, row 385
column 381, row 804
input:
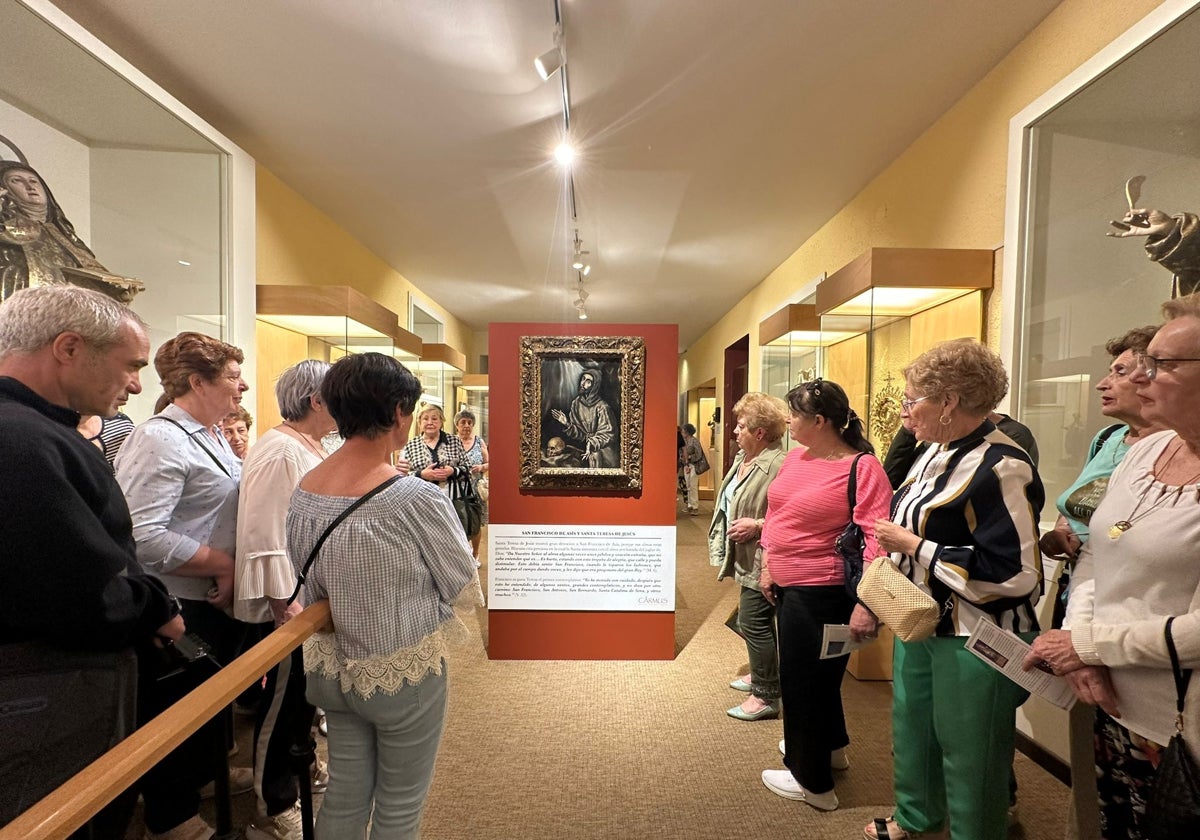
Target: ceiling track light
column 548, row 63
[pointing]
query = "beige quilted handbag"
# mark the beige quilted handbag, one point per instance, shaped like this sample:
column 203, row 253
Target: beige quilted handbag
column 898, row 602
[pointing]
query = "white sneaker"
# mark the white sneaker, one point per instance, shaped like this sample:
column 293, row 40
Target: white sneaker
column 783, row 783
column 838, row 760
column 286, row 825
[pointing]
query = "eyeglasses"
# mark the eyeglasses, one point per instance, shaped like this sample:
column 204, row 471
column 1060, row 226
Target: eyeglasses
column 907, row 404
column 1150, row 363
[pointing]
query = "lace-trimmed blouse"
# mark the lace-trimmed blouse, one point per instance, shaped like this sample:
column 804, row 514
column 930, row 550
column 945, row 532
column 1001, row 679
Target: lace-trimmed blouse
column 392, row 572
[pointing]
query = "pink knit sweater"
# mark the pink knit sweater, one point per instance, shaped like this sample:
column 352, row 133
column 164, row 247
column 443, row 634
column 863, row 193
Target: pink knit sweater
column 806, row 510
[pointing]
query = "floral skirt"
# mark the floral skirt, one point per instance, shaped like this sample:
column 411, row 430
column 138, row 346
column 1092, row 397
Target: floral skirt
column 1125, row 765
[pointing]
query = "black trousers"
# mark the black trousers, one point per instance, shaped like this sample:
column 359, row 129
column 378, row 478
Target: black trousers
column 284, row 717
column 171, row 789
column 813, row 722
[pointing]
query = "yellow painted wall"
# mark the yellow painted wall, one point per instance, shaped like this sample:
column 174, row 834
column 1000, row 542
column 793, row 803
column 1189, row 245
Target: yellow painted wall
column 947, row 190
column 298, row 245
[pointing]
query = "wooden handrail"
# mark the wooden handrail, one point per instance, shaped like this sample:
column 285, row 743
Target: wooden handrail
column 73, row 803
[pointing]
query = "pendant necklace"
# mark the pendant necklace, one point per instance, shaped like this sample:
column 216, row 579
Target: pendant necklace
column 316, row 450
column 1122, row 525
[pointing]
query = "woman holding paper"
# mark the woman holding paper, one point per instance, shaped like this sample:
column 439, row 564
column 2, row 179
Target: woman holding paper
column 803, row 577
column 1141, row 565
column 964, row 529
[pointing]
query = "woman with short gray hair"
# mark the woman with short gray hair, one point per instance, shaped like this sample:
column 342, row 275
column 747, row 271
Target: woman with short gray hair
column 264, row 580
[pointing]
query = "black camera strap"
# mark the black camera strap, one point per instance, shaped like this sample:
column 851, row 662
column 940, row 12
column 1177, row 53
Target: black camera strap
column 355, row 505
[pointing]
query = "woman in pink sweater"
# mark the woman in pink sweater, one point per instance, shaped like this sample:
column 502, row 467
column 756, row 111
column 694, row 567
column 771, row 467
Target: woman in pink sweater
column 802, row 574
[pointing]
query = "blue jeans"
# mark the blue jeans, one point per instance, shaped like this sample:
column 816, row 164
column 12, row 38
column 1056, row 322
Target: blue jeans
column 381, row 755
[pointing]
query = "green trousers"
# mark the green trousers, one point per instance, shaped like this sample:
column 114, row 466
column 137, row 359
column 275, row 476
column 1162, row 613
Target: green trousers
column 953, row 725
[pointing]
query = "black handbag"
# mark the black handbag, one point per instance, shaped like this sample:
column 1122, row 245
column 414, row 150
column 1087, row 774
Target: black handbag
column 851, row 543
column 1173, row 806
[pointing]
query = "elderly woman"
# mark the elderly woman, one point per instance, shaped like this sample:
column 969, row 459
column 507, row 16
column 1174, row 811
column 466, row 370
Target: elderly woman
column 264, row 581
column 737, row 523
column 476, row 453
column 1141, row 565
column 236, row 428
column 803, row 577
column 439, row 458
column 1118, row 401
column 180, row 479
column 964, row 529
column 391, row 571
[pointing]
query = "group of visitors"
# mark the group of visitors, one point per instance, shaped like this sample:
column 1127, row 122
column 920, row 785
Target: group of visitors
column 184, row 528
column 960, row 519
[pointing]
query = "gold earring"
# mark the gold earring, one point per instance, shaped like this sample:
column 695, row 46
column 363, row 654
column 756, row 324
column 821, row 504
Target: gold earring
column 945, row 420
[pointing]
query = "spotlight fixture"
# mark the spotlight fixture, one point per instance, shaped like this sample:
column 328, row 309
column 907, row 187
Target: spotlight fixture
column 583, row 296
column 564, row 153
column 582, row 315
column 586, row 270
column 549, row 62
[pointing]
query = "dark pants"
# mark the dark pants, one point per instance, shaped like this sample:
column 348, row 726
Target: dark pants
column 171, row 789
column 284, row 718
column 756, row 622
column 813, row 722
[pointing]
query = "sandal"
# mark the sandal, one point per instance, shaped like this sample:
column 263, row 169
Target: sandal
column 889, row 829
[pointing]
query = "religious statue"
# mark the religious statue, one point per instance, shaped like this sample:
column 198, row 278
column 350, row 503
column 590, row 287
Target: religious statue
column 38, row 244
column 1171, row 241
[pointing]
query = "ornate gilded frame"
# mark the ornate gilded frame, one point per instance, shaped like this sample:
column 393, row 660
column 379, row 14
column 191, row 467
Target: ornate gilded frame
column 624, row 356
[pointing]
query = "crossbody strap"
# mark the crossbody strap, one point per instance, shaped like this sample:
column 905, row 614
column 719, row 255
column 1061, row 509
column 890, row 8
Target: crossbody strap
column 341, row 517
column 1181, row 677
column 196, row 440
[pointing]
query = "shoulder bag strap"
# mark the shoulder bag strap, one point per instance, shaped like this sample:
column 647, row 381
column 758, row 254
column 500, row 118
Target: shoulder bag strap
column 1102, row 439
column 1181, row 677
column 852, row 485
column 191, row 436
column 341, row 517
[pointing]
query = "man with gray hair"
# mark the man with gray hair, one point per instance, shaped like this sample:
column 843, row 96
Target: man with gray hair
column 72, row 582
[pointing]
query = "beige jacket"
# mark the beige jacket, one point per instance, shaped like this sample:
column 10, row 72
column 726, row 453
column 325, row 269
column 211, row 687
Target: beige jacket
column 742, row 560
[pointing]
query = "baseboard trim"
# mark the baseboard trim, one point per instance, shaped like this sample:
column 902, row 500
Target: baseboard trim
column 1043, row 758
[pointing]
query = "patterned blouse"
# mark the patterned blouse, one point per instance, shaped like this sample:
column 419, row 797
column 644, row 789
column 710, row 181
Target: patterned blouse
column 975, row 504
column 448, row 453
column 392, row 572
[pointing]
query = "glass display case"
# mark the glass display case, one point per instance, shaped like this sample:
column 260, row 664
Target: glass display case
column 472, row 394
column 320, row 322
column 156, row 194
column 1076, row 288
column 789, row 341
column 887, row 307
column 440, row 371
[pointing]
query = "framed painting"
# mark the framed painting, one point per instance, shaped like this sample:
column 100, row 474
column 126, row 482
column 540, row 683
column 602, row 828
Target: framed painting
column 582, row 412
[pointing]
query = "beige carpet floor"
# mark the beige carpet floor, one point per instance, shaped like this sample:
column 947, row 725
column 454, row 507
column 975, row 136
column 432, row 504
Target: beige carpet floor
column 602, row 750
column 606, row 750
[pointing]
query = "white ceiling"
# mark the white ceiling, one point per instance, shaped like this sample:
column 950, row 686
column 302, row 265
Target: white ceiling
column 716, row 135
